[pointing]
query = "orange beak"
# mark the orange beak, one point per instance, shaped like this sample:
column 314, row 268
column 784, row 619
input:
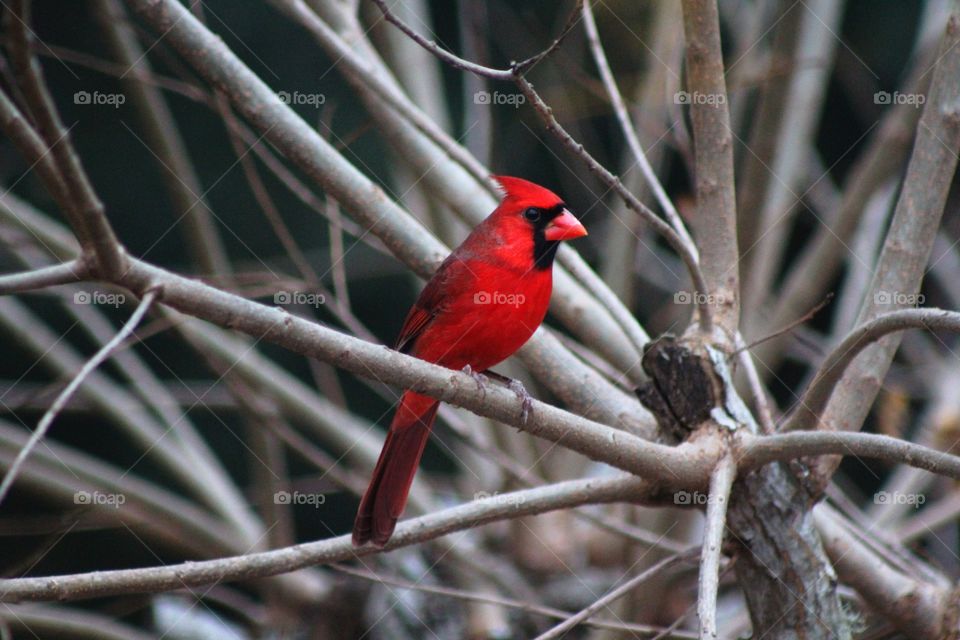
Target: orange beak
column 564, row 227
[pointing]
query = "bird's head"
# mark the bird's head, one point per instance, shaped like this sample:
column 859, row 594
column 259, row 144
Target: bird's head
column 532, row 214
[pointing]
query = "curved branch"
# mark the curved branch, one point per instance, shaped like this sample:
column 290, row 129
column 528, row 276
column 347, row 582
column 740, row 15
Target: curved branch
column 814, row 401
column 445, row 56
column 756, row 451
column 562, row 495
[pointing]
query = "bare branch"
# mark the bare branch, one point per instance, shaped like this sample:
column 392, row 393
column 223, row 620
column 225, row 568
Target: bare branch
column 716, row 217
column 721, row 481
column 257, row 565
column 756, row 452
column 165, row 141
column 373, row 361
column 65, row 273
column 507, row 602
column 450, row 59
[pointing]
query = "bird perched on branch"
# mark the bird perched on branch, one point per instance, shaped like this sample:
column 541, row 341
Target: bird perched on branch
column 483, row 303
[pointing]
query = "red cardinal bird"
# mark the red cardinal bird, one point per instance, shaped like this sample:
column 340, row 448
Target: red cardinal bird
column 482, row 304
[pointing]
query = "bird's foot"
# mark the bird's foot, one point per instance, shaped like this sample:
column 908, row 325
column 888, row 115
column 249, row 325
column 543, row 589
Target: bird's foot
column 526, row 400
column 479, row 378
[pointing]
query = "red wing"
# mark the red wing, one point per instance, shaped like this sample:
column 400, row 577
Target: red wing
column 452, row 273
column 417, row 320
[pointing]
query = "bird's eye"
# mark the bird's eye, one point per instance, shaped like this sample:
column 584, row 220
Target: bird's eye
column 532, row 214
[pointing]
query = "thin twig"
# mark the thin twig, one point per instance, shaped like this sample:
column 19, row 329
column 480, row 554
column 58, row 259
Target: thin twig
column 790, row 327
column 629, row 132
column 721, row 481
column 71, row 388
column 502, row 601
column 614, row 595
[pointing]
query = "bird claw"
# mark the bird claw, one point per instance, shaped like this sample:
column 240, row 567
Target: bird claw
column 526, row 400
column 479, row 378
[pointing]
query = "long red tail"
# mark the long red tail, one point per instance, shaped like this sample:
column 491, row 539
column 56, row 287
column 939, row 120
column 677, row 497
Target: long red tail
column 387, row 492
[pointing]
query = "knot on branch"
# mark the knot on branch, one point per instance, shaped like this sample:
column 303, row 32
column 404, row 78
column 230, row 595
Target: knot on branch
column 683, row 388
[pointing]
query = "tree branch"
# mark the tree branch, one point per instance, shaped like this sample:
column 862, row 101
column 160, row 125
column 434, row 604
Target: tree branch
column 716, row 219
column 65, row 273
column 721, row 481
column 594, row 440
column 562, row 495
